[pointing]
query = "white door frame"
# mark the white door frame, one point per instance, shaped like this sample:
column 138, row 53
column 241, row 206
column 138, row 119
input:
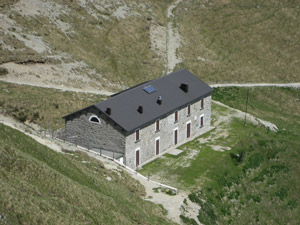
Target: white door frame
column 158, row 138
column 174, row 135
column 138, row 149
column 202, row 115
column 189, row 122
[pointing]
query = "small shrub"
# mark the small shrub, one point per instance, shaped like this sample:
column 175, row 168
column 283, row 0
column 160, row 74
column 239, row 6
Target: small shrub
column 256, row 198
column 35, row 116
column 254, row 161
column 156, row 190
column 206, row 214
column 3, row 71
column 170, row 192
column 194, row 198
column 292, row 204
column 281, row 193
column 188, row 221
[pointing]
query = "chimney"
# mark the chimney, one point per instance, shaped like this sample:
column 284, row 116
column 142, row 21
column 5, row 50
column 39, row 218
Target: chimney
column 184, row 87
column 159, row 100
column 108, row 111
column 140, row 109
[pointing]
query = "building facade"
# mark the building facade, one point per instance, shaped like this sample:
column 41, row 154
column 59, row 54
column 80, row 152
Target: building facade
column 141, row 123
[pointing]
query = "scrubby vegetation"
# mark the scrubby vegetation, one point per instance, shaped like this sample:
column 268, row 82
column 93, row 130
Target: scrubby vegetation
column 40, row 186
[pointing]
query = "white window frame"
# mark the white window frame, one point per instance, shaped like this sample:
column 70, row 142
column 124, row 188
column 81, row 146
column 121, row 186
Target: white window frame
column 158, row 138
column 201, row 116
column 137, row 149
column 188, row 122
column 96, row 118
column 174, row 135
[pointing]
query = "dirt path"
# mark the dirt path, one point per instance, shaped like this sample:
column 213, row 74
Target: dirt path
column 240, row 114
column 173, row 39
column 57, row 87
column 293, row 85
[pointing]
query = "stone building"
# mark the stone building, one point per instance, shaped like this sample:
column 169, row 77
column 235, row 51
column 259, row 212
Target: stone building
column 139, row 124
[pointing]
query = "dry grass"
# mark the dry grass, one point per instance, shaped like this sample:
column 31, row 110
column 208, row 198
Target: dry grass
column 240, row 41
column 43, row 106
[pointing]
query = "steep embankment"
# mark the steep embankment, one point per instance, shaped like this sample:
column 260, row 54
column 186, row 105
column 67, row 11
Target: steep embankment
column 40, row 186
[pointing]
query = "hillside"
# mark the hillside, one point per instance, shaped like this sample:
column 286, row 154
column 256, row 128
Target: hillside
column 110, row 45
column 262, row 186
column 40, row 186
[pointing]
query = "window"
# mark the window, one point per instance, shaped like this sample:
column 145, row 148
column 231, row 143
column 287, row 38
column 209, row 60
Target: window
column 157, row 146
column 201, row 121
column 94, row 119
column 157, row 125
column 189, row 110
column 137, row 157
column 188, row 129
column 202, row 103
column 137, row 135
column 175, row 136
column 176, row 116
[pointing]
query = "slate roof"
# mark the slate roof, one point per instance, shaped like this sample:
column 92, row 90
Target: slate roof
column 124, row 104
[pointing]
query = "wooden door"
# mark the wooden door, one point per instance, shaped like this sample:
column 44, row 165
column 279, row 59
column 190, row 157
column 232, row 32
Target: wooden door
column 188, row 130
column 137, row 158
column 175, row 136
column 157, row 146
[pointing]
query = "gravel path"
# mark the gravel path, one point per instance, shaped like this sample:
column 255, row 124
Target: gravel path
column 240, row 114
column 173, row 39
column 293, row 85
column 61, row 88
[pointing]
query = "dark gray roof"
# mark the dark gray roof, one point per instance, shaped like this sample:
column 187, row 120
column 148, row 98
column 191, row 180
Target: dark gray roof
column 124, row 105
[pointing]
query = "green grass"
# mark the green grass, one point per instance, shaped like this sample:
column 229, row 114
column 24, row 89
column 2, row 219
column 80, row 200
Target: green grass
column 43, row 106
column 261, row 188
column 40, row 186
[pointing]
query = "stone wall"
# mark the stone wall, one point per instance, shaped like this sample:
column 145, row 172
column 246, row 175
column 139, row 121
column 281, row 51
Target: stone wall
column 148, row 135
column 104, row 136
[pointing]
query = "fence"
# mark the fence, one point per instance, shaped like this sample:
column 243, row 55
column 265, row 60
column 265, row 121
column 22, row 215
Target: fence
column 114, row 156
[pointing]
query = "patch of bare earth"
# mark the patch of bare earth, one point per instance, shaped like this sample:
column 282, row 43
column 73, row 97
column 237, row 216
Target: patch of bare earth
column 75, row 76
column 173, row 39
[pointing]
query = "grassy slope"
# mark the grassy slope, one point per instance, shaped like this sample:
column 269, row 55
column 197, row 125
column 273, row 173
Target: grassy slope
column 264, row 187
column 242, row 41
column 237, row 41
column 41, row 105
column 119, row 49
column 40, row 186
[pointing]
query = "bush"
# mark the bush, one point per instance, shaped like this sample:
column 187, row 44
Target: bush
column 292, row 204
column 206, row 214
column 281, row 193
column 3, row 71
column 188, row 221
column 194, row 198
column 254, row 161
